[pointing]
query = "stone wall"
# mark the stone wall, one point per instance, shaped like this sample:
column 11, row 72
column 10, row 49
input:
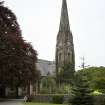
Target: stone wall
column 98, row 100
column 49, row 98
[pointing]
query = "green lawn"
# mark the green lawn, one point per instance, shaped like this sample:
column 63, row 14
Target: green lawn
column 42, row 104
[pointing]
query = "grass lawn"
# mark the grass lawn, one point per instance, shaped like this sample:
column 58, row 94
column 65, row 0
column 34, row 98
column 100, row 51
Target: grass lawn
column 42, row 104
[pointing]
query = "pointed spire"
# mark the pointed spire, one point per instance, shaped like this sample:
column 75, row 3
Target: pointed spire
column 64, row 21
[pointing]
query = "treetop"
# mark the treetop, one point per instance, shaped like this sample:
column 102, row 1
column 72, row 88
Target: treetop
column 1, row 2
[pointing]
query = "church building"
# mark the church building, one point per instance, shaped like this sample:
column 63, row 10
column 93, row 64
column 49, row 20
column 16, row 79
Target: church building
column 64, row 46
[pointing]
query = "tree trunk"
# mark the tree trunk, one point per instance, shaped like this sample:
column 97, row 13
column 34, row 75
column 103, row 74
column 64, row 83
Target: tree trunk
column 2, row 91
column 17, row 95
column 28, row 88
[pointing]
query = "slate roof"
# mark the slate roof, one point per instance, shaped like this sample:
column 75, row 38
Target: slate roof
column 45, row 67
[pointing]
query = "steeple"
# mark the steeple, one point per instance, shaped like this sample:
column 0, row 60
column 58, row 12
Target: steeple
column 64, row 47
column 64, row 21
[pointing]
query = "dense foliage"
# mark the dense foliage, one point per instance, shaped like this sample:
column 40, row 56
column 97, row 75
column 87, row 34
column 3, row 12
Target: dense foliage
column 81, row 92
column 66, row 74
column 17, row 57
column 95, row 76
column 58, row 99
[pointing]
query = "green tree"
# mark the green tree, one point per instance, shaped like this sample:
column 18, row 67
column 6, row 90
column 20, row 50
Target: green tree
column 95, row 76
column 66, row 74
column 81, row 92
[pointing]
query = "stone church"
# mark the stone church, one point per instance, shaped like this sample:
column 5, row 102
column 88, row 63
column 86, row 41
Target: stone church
column 64, row 47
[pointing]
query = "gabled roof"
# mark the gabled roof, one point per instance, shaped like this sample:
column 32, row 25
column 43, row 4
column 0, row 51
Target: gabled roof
column 45, row 67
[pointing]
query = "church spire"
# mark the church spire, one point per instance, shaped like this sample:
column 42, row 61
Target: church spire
column 64, row 21
column 65, row 48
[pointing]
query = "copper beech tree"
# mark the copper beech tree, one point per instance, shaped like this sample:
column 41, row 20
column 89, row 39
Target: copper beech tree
column 17, row 57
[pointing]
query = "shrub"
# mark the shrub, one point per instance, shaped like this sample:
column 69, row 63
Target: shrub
column 58, row 99
column 44, row 91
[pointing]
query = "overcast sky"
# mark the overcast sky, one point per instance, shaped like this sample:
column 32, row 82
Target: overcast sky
column 39, row 22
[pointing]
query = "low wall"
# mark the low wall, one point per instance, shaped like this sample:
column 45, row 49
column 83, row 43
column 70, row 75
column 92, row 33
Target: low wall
column 49, row 98
column 98, row 100
column 42, row 98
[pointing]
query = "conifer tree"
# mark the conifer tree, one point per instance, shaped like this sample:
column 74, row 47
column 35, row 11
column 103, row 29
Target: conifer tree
column 81, row 93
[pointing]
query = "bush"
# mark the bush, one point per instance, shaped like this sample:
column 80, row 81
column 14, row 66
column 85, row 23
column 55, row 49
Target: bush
column 44, row 91
column 58, row 99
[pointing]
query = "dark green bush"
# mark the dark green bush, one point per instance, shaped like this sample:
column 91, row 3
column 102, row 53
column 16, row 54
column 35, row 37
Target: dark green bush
column 58, row 99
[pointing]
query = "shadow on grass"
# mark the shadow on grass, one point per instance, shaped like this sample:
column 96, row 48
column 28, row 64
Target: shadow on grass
column 32, row 103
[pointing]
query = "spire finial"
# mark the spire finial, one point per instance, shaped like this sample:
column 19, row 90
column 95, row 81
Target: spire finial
column 64, row 21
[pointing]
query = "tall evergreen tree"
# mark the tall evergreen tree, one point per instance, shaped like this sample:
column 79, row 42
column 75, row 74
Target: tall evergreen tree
column 81, row 93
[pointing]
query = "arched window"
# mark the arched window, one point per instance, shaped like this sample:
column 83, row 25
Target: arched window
column 68, row 55
column 60, row 55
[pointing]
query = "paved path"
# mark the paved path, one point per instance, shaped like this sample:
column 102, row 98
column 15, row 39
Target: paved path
column 12, row 102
